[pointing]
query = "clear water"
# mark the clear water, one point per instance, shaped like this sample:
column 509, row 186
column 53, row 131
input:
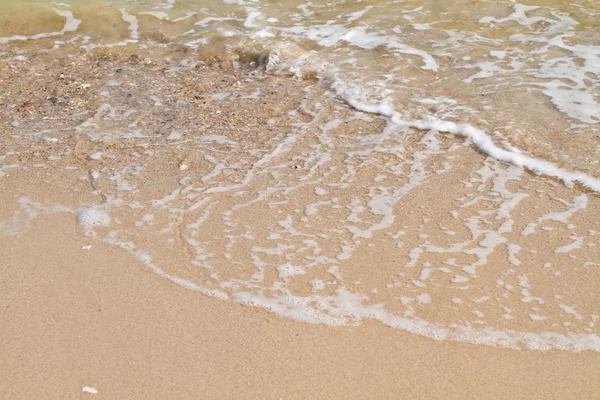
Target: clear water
column 440, row 174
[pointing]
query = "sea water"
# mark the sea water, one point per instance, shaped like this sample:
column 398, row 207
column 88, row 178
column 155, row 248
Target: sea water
column 440, row 175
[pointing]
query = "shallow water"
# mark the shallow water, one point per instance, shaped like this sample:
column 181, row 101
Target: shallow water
column 525, row 73
column 382, row 179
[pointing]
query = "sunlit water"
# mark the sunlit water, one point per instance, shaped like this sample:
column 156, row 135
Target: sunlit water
column 439, row 175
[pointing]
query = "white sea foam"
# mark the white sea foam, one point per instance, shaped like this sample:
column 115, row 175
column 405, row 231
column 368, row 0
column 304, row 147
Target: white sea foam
column 578, row 203
column 478, row 138
column 71, row 25
column 133, row 24
column 93, row 216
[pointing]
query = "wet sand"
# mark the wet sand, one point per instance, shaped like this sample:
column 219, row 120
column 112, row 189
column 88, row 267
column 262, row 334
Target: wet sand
column 73, row 318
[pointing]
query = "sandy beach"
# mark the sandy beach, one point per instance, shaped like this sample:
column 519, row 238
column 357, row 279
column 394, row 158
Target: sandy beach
column 207, row 201
column 80, row 313
column 74, row 318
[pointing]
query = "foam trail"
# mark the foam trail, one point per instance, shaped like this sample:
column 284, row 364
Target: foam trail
column 71, row 25
column 133, row 24
column 347, row 308
column 479, row 139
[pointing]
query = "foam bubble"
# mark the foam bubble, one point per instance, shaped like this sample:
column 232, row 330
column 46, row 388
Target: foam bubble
column 93, row 216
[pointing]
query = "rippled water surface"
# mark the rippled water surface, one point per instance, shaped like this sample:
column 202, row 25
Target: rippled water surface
column 432, row 165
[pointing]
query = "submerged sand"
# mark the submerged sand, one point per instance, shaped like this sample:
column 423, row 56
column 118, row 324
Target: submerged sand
column 163, row 147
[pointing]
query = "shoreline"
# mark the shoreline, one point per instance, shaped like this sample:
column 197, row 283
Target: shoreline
column 241, row 182
column 96, row 318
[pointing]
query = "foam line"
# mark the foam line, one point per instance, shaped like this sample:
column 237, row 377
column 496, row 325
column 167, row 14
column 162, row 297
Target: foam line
column 479, row 139
column 71, row 25
column 133, row 24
